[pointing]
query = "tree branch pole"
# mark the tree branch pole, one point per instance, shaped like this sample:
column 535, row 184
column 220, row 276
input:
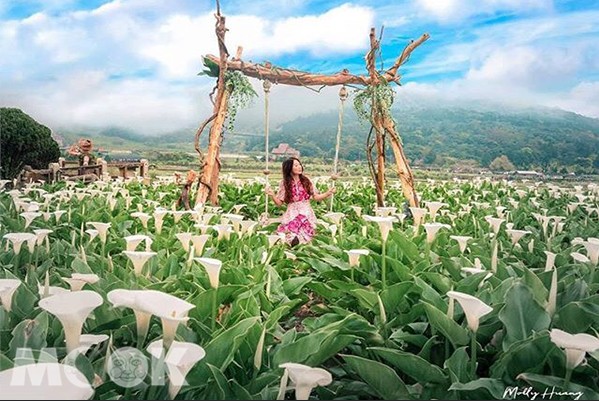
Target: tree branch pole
column 211, row 164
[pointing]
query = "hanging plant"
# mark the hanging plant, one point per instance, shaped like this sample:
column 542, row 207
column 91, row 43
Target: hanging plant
column 241, row 95
column 380, row 96
column 241, row 92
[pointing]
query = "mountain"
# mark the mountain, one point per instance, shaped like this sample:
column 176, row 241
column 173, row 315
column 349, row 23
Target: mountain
column 446, row 134
column 433, row 133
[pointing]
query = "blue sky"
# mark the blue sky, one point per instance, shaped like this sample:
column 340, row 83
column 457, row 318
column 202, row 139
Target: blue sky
column 133, row 63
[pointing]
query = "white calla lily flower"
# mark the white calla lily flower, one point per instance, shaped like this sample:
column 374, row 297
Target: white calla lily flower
column 306, row 378
column 213, row 267
column 44, row 381
column 474, row 308
column 72, row 309
column 574, row 345
column 8, row 287
column 179, row 359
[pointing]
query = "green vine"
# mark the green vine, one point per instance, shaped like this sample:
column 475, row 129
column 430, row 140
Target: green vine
column 380, row 97
column 241, row 95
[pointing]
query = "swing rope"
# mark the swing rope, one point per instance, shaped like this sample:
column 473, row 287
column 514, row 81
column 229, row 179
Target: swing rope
column 342, row 97
column 266, row 85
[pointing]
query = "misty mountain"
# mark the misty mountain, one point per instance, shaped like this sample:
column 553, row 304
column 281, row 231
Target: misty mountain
column 433, row 133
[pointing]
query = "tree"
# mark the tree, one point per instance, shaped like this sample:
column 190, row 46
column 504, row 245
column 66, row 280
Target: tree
column 24, row 141
column 502, row 163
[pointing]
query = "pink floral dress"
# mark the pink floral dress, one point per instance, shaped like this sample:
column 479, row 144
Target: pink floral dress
column 299, row 219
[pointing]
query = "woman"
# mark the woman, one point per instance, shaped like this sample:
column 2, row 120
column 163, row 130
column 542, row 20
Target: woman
column 299, row 222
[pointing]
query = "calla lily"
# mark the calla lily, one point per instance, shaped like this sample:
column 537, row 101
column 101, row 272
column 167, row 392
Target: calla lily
column 418, row 213
column 92, row 233
column 335, row 217
column 494, row 222
column 139, row 259
column 72, row 308
column 145, row 303
column 462, row 241
column 434, row 207
column 238, row 208
column 102, row 229
column 474, row 308
column 432, row 229
column 223, row 230
column 516, row 235
column 44, row 381
column 290, row 255
column 384, row 211
column 29, row 217
column 86, row 341
column 7, row 289
column 185, row 238
column 17, row 240
column 247, row 227
column 592, row 247
column 579, row 257
column 305, row 378
column 132, row 241
column 212, row 267
column 575, row 345
column 179, row 360
column 385, row 224
column 550, row 262
column 235, row 219
column 78, row 280
column 199, row 241
column 41, row 234
column 273, row 238
column 171, row 310
column 354, row 256
column 357, row 210
column 177, row 214
column 159, row 219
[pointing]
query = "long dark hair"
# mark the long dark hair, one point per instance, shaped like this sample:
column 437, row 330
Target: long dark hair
column 287, row 168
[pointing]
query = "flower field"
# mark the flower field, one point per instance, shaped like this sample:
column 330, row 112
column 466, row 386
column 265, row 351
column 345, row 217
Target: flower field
column 488, row 289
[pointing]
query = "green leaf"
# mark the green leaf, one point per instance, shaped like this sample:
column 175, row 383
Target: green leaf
column 381, row 378
column 450, row 329
column 521, row 315
column 221, row 384
column 293, row 285
column 543, row 383
column 412, row 365
column 457, row 365
column 30, row 334
column 494, row 387
column 222, row 349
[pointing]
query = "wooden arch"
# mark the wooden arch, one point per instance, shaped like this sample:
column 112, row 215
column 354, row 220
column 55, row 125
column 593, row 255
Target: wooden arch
column 382, row 123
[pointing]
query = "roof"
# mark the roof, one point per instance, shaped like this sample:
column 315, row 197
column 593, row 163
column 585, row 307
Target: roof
column 283, row 149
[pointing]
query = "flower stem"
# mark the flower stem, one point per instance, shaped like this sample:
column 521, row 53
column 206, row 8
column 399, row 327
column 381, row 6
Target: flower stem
column 384, row 265
column 567, row 378
column 473, row 354
column 214, row 309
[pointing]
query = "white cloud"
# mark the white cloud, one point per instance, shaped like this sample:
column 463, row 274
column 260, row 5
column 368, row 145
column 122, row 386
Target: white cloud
column 178, row 42
column 456, row 10
column 583, row 98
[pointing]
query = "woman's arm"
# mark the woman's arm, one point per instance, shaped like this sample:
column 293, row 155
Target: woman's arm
column 274, row 197
column 324, row 195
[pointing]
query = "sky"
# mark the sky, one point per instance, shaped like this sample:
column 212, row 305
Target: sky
column 134, row 64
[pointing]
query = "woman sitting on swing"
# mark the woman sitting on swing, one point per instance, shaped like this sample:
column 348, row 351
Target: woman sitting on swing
column 298, row 222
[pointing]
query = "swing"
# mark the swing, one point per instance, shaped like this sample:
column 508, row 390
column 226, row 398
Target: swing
column 266, row 86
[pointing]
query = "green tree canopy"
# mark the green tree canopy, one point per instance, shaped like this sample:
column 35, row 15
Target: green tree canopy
column 24, row 141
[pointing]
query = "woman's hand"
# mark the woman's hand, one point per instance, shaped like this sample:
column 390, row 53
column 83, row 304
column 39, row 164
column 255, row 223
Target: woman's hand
column 269, row 191
column 331, row 191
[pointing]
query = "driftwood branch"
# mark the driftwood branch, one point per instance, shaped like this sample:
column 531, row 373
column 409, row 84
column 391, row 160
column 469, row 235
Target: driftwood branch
column 405, row 54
